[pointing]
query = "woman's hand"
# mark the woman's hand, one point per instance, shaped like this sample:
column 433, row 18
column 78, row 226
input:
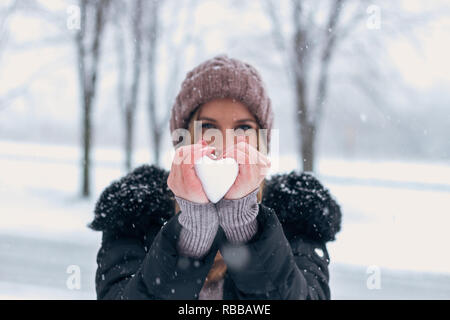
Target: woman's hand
column 253, row 167
column 183, row 180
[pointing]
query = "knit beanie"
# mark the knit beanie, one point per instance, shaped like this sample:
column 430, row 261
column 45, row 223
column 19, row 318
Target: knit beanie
column 223, row 77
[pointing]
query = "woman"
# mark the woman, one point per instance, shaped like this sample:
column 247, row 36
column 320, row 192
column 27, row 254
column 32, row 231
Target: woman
column 265, row 239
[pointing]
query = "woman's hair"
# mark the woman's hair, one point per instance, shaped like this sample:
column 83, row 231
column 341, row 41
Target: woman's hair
column 219, row 267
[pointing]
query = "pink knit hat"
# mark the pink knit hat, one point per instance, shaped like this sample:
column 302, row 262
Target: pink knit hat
column 223, row 77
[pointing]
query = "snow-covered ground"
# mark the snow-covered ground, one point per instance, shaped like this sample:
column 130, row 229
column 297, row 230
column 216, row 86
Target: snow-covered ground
column 395, row 218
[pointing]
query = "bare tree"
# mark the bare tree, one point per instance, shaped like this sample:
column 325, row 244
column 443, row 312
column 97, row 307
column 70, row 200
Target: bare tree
column 128, row 94
column 154, row 31
column 315, row 42
column 152, row 42
column 93, row 15
column 5, row 14
column 311, row 48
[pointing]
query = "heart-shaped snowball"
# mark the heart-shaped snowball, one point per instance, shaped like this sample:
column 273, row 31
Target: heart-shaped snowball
column 216, row 176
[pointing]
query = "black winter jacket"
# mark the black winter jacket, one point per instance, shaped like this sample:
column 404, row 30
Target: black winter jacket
column 286, row 259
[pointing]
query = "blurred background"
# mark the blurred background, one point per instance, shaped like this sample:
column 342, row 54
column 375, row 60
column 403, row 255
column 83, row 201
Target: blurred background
column 361, row 96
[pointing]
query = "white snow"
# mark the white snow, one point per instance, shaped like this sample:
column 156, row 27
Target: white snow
column 18, row 291
column 216, row 176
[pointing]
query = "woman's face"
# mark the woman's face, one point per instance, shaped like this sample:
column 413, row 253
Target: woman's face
column 223, row 114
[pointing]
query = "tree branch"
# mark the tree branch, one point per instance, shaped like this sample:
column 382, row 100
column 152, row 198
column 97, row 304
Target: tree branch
column 326, row 56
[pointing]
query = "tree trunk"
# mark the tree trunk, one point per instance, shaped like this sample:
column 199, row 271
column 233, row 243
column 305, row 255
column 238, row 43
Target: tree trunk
column 157, row 146
column 88, row 78
column 87, row 136
column 128, row 139
column 308, row 132
column 305, row 122
column 151, row 58
column 306, row 128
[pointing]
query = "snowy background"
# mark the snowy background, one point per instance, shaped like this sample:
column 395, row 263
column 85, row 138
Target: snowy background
column 385, row 160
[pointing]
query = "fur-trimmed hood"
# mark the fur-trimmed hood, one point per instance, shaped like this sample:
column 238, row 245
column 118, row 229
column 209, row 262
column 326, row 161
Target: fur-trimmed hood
column 142, row 200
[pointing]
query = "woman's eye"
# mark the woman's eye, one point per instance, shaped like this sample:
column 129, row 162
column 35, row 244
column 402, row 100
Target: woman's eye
column 207, row 125
column 244, row 127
